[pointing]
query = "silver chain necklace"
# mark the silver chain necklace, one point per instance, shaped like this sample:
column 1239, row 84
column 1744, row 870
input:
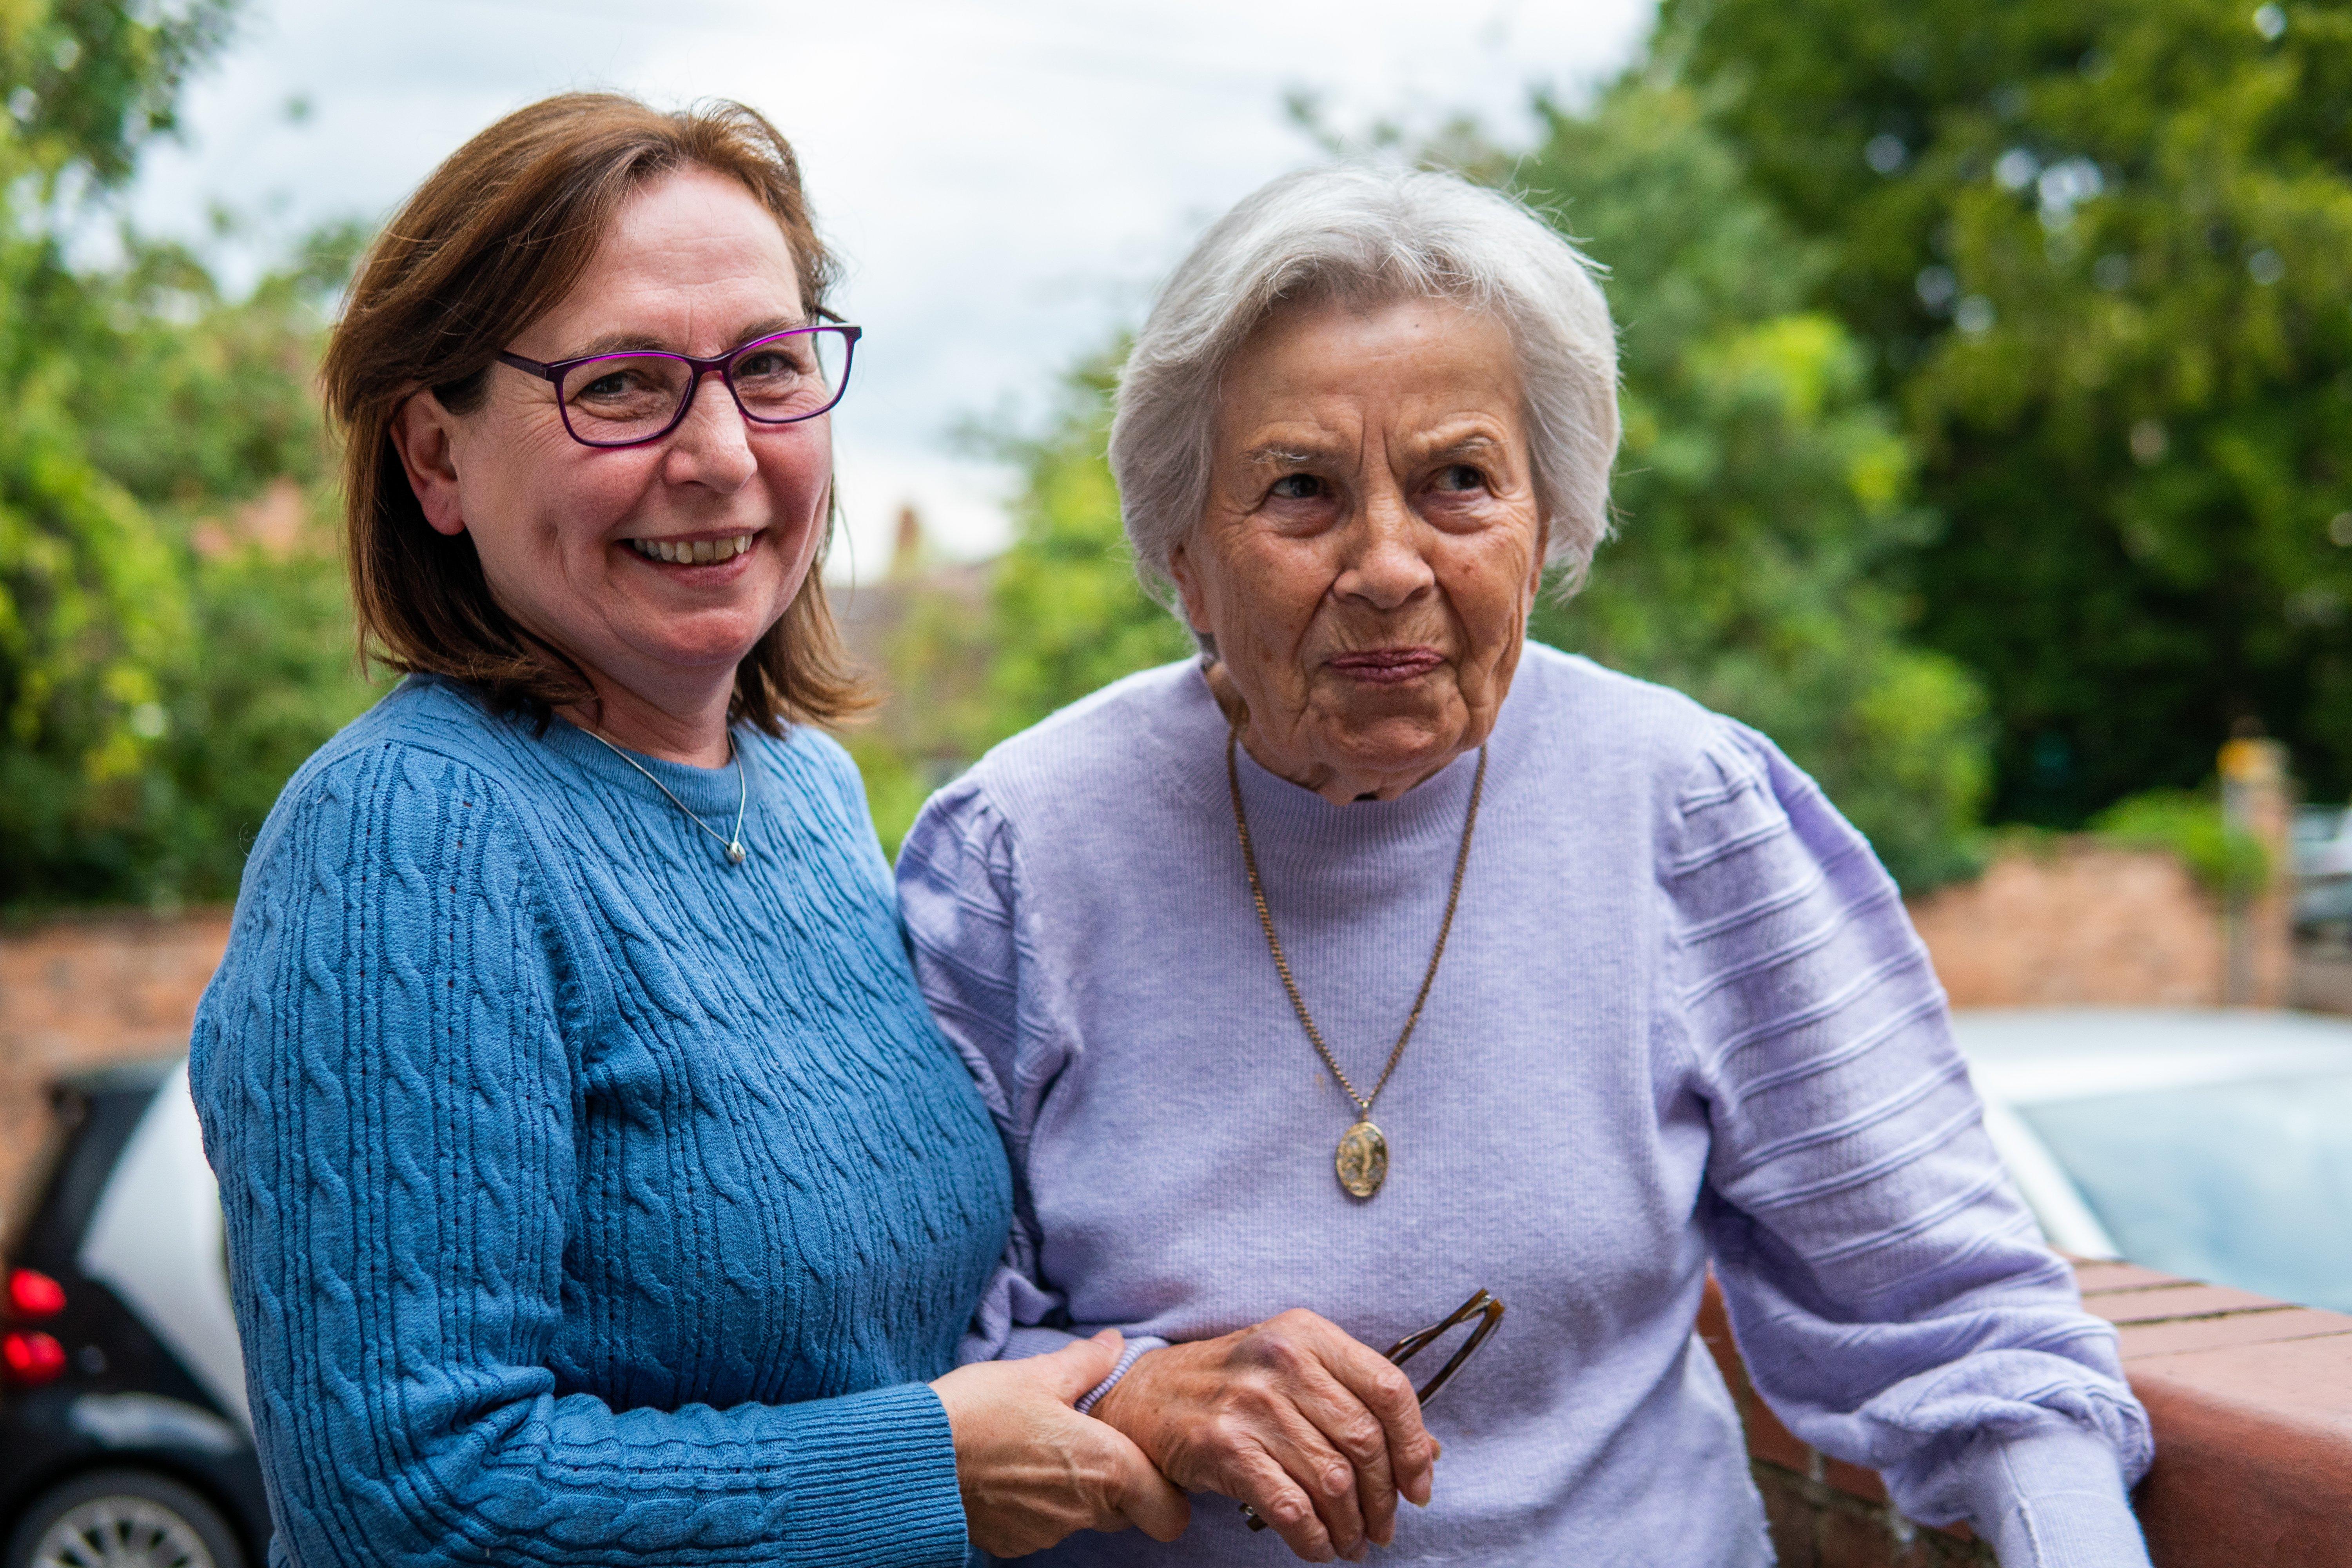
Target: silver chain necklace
column 736, row 853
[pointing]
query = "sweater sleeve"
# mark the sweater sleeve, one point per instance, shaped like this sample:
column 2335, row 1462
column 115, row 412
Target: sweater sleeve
column 1893, row 1300
column 388, row 1095
column 959, row 892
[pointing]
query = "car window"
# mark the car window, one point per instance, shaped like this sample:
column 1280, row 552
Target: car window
column 2241, row 1183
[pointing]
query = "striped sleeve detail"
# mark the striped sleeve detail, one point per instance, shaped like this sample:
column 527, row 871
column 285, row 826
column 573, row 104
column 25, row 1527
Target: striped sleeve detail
column 1891, row 1297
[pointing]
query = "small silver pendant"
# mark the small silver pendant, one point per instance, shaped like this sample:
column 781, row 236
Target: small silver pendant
column 1362, row 1160
column 736, row 854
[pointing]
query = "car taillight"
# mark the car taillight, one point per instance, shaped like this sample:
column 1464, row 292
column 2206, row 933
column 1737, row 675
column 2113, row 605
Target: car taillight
column 33, row 1294
column 32, row 1357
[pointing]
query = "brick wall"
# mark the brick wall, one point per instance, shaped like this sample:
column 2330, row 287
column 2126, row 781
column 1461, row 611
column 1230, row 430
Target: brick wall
column 82, row 993
column 2081, row 923
column 2252, row 1404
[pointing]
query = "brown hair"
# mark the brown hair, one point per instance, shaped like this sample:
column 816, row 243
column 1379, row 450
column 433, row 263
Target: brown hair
column 497, row 235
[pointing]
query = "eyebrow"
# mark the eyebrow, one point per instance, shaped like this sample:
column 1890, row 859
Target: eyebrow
column 1277, row 454
column 1468, row 447
column 640, row 343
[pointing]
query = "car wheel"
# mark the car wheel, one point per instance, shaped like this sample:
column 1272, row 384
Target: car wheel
column 122, row 1519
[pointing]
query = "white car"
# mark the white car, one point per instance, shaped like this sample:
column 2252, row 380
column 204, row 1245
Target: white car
column 2213, row 1143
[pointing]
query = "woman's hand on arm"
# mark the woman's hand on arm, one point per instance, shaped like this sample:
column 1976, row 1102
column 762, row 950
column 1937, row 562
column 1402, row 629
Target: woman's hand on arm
column 1294, row 1417
column 1033, row 1470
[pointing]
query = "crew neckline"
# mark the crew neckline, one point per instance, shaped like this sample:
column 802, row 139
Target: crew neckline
column 1191, row 744
column 710, row 793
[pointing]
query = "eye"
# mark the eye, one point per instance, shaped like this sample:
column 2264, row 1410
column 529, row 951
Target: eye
column 1461, row 477
column 1297, row 486
column 767, row 363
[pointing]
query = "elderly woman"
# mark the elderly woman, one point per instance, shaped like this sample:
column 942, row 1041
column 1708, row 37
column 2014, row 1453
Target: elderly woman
column 1381, row 955
column 598, row 1189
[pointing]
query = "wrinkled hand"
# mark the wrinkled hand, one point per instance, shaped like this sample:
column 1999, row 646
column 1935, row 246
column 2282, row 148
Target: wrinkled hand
column 1032, row 1469
column 1294, row 1417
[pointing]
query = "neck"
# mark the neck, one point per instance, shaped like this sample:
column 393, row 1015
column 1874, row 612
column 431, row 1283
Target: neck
column 686, row 726
column 1340, row 784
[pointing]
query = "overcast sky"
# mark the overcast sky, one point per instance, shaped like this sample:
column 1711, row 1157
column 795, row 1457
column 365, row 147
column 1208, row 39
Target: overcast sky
column 1005, row 182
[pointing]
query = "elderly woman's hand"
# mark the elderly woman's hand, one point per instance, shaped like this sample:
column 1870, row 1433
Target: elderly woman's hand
column 1033, row 1470
column 1293, row 1417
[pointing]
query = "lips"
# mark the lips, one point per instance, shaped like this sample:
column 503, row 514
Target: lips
column 1388, row 666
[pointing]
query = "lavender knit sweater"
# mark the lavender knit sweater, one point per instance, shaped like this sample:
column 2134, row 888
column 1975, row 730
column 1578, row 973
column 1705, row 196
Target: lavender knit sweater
column 1682, row 1020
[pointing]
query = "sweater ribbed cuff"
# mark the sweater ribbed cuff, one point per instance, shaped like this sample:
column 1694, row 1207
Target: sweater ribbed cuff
column 2052, row 1498
column 1135, row 1347
column 873, row 1479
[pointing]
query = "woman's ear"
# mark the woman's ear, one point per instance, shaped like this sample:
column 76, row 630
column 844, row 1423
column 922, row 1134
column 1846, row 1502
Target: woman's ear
column 424, row 433
column 1191, row 589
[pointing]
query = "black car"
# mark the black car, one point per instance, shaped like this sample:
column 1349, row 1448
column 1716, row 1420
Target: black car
column 124, row 1438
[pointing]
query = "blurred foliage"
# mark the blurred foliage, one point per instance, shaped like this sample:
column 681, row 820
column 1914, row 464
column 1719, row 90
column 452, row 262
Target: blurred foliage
column 2228, row 860
column 1763, row 493
column 1057, row 616
column 1066, row 610
column 2096, row 252
column 173, row 635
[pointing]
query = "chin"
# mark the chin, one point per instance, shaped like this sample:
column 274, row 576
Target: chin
column 727, row 649
column 1396, row 745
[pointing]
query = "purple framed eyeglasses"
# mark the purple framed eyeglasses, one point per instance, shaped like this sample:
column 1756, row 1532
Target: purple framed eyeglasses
column 642, row 394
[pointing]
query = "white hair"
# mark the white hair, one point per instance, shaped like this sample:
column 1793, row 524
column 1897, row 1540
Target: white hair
column 1367, row 235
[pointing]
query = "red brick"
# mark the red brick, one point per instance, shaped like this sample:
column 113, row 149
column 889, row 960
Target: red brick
column 1849, row 1541
column 1773, row 1443
column 1854, row 1479
column 2254, row 1465
column 2141, row 1340
column 1789, row 1517
column 2174, row 1302
column 2080, row 923
column 2296, row 1383
column 80, row 993
column 2097, row 1274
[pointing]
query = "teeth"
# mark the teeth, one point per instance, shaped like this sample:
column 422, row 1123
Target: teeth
column 685, row 551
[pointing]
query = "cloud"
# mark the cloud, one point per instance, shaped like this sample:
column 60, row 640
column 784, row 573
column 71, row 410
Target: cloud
column 1006, row 182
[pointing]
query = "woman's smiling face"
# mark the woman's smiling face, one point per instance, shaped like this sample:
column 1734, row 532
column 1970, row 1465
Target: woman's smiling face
column 692, row 264
column 1372, row 541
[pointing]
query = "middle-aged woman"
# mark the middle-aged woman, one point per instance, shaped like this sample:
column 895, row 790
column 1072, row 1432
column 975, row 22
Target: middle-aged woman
column 1185, row 932
column 598, row 1189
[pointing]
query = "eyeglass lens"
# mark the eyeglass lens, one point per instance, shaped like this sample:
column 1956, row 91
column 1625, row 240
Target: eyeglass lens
column 616, row 399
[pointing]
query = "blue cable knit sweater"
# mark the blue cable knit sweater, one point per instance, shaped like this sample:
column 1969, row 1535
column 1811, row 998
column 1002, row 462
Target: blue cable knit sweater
column 589, row 1200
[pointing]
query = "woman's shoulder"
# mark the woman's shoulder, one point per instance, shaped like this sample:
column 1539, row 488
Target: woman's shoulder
column 426, row 750
column 1086, row 778
column 1104, row 744
column 1670, row 739
column 1728, row 808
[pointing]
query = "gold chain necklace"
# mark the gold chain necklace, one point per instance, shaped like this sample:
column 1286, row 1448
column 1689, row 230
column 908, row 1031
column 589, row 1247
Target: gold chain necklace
column 1362, row 1159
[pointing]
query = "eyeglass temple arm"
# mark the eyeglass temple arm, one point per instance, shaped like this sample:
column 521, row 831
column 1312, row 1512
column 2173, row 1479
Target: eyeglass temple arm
column 1481, row 1306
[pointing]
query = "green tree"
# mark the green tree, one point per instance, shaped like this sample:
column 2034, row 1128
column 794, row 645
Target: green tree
column 1060, row 615
column 2096, row 252
column 160, row 670
column 1762, row 493
column 1065, row 614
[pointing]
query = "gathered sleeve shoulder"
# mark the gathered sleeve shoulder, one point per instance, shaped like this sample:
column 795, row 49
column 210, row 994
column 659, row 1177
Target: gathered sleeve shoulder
column 387, row 1071
column 968, row 932
column 1891, row 1299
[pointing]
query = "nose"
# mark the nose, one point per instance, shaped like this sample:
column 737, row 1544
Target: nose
column 711, row 446
column 1388, row 560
